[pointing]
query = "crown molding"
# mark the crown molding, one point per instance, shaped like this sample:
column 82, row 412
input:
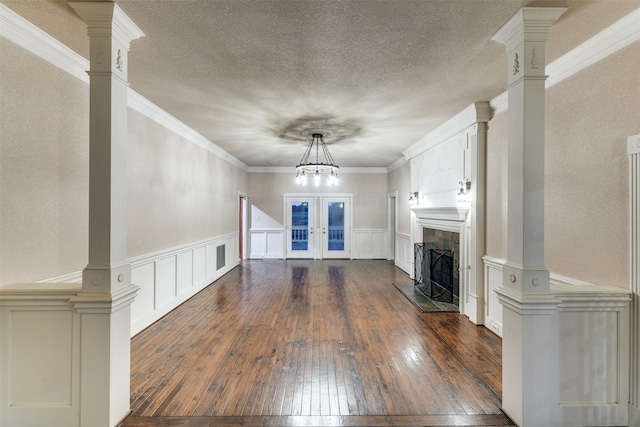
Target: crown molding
column 15, row 28
column 31, row 38
column 26, row 35
column 149, row 109
column 477, row 112
column 291, row 170
column 607, row 42
column 397, row 164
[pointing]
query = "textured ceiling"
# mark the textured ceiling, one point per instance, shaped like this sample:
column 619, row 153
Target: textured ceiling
column 251, row 75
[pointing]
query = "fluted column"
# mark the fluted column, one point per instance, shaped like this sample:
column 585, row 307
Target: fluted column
column 529, row 332
column 107, row 291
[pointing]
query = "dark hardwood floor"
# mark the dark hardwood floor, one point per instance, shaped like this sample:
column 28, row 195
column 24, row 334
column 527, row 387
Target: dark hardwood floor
column 300, row 342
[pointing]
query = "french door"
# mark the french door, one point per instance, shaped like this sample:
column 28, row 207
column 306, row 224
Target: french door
column 317, row 226
column 300, row 227
column 336, row 227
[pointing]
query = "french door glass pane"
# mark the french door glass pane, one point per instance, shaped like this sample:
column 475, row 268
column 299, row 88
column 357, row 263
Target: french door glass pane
column 336, row 226
column 299, row 226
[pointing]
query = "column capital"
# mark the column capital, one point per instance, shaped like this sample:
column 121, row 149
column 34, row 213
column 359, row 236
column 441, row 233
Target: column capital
column 525, row 36
column 106, row 19
column 111, row 32
column 528, row 24
column 633, row 145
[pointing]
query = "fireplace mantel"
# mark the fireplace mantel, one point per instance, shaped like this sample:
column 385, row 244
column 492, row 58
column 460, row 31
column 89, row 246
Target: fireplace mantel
column 458, row 213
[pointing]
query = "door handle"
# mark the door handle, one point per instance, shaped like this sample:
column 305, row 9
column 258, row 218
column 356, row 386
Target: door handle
column 324, row 230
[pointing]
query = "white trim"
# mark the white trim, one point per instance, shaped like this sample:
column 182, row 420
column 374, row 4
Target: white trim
column 477, row 112
column 607, row 42
column 404, row 253
column 147, row 108
column 26, row 35
column 397, row 164
column 633, row 149
column 500, row 103
column 15, row 28
column 633, row 145
column 291, row 170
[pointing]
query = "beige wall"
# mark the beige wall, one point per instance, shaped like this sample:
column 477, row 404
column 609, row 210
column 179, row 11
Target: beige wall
column 43, row 168
column 588, row 119
column 369, row 195
column 178, row 192
column 400, row 181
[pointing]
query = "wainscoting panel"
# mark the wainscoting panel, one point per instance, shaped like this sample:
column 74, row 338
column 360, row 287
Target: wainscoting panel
column 39, row 350
column 267, row 243
column 185, row 272
column 370, row 244
column 168, row 278
column 404, row 253
column 594, row 346
column 165, row 281
column 144, row 276
column 591, row 336
column 492, row 281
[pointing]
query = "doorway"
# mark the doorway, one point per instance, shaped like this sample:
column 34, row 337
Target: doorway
column 242, row 226
column 318, row 227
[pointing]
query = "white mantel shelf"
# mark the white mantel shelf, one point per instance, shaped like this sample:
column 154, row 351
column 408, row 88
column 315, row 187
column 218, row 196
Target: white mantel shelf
column 458, row 213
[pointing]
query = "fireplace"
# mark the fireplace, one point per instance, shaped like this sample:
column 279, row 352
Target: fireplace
column 433, row 274
column 436, row 265
column 466, row 241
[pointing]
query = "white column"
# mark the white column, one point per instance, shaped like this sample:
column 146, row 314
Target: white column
column 634, row 261
column 477, row 212
column 107, row 292
column 529, row 332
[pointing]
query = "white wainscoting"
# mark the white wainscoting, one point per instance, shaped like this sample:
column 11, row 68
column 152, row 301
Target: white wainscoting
column 592, row 340
column 40, row 354
column 267, row 243
column 492, row 281
column 40, row 327
column 404, row 253
column 593, row 348
column 370, row 244
column 170, row 277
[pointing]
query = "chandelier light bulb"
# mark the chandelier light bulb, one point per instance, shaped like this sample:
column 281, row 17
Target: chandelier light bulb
column 317, row 167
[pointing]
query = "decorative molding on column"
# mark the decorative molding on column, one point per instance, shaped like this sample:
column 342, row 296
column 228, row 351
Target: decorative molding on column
column 530, row 327
column 633, row 150
column 105, row 303
column 111, row 32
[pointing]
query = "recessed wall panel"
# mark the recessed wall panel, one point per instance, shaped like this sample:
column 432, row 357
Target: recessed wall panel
column 41, row 355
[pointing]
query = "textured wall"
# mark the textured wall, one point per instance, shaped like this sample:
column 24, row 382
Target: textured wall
column 178, row 192
column 400, row 181
column 176, row 189
column 588, row 120
column 44, row 152
column 369, row 195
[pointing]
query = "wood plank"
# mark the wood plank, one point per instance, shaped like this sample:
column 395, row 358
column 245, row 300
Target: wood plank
column 302, row 341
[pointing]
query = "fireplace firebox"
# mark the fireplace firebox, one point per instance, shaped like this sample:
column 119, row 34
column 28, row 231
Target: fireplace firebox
column 433, row 272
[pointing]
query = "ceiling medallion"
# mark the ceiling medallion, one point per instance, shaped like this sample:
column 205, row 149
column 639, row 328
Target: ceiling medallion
column 323, row 163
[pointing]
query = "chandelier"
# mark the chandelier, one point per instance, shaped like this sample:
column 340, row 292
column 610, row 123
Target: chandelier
column 327, row 166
